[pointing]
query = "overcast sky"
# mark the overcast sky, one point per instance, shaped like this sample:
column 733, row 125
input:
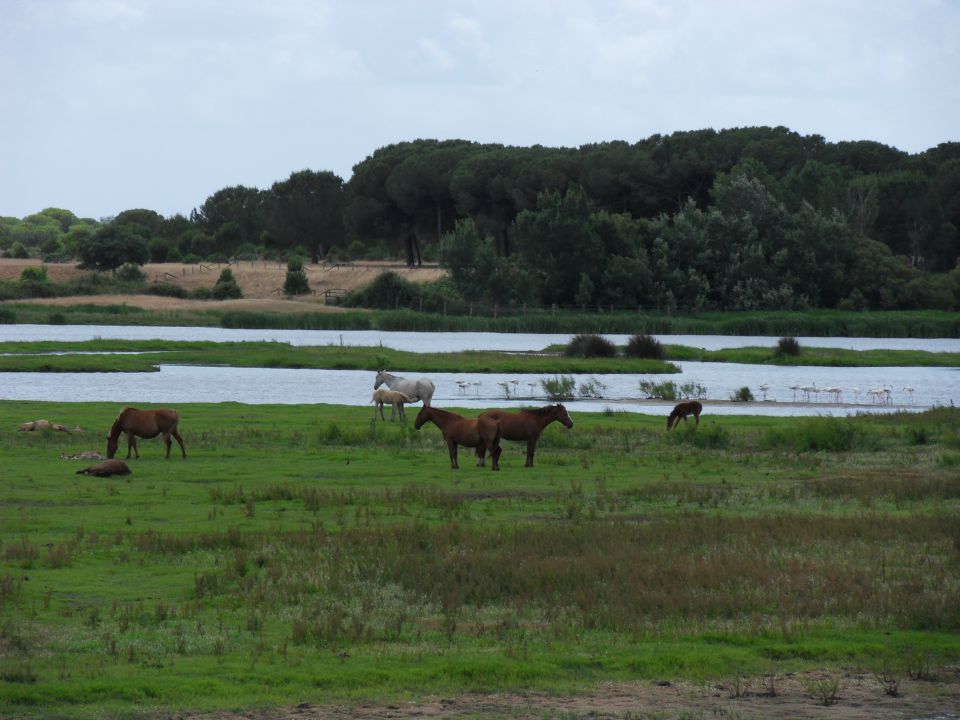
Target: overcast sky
column 108, row 105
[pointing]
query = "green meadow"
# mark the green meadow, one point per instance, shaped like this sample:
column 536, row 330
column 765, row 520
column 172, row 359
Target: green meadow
column 307, row 554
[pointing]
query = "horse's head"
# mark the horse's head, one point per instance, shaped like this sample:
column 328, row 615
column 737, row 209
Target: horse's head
column 380, row 380
column 111, row 445
column 423, row 416
column 563, row 417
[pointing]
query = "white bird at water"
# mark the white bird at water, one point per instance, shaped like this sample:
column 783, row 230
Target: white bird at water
column 763, row 388
column 909, row 391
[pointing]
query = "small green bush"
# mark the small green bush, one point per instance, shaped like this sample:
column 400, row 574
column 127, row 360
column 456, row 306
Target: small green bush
column 742, row 395
column 644, row 346
column 589, row 345
column 665, row 390
column 559, row 388
column 130, row 272
column 788, row 346
column 167, row 290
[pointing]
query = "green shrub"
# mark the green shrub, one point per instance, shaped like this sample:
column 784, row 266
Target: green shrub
column 644, row 346
column 191, row 259
column 130, row 272
column 653, row 390
column 296, row 280
column 589, row 345
column 788, row 346
column 7, row 316
column 742, row 395
column 226, row 286
column 559, row 388
column 167, row 290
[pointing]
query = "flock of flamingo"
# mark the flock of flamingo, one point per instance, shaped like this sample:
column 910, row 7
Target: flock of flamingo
column 463, row 386
column 882, row 395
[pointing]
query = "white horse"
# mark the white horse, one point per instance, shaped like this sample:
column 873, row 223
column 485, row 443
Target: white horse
column 419, row 389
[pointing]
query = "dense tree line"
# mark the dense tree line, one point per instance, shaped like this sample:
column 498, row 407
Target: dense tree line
column 750, row 218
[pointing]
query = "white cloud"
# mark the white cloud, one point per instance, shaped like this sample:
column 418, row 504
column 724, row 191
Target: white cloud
column 176, row 99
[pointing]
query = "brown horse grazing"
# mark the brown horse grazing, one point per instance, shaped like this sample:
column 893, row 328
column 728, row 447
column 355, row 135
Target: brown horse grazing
column 146, row 424
column 682, row 410
column 458, row 430
column 526, row 425
column 106, row 469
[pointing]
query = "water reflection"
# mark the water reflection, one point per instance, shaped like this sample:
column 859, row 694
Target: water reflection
column 180, row 384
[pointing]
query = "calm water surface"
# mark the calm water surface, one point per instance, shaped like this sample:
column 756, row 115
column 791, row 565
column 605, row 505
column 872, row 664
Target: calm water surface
column 179, row 384
column 778, row 389
column 435, row 342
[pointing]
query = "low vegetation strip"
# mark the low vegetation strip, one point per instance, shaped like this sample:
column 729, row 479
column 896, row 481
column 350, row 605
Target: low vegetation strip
column 307, row 554
column 818, row 356
column 38, row 357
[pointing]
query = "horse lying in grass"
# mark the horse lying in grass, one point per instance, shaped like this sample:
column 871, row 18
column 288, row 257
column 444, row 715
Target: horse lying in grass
column 37, row 425
column 682, row 410
column 526, row 425
column 458, row 430
column 396, row 400
column 145, row 424
column 106, row 469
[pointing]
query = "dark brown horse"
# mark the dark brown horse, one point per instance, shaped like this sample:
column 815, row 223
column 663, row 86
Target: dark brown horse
column 458, row 430
column 106, row 469
column 145, row 424
column 681, row 411
column 526, row 425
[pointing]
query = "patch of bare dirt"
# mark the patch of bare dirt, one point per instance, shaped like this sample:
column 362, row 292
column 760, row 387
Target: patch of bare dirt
column 801, row 696
column 260, row 281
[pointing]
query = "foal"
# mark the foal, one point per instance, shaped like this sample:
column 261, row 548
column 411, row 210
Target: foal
column 681, row 411
column 396, row 400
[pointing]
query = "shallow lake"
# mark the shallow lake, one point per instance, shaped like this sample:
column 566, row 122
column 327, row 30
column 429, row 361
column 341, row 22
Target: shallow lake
column 180, row 384
column 435, row 342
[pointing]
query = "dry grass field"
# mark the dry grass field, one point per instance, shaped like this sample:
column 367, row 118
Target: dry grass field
column 260, row 282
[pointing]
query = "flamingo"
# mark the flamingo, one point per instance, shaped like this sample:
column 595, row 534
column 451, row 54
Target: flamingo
column 477, row 385
column 794, row 388
column 533, row 387
column 462, row 386
column 506, row 388
column 856, row 394
column 763, row 388
column 909, row 391
column 835, row 391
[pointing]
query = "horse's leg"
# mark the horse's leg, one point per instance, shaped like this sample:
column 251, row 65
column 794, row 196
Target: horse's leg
column 179, row 439
column 531, row 447
column 380, row 406
column 168, row 442
column 132, row 445
column 495, row 453
column 452, row 445
column 481, row 455
column 697, row 418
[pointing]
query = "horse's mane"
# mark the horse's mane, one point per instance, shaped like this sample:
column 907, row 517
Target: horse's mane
column 542, row 410
column 438, row 410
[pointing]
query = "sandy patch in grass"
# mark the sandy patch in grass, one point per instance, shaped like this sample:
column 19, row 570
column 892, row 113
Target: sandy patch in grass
column 859, row 696
column 261, row 283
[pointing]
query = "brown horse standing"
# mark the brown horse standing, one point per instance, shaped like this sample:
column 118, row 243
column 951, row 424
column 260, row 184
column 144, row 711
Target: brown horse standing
column 526, row 425
column 146, row 424
column 682, row 410
column 458, row 430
